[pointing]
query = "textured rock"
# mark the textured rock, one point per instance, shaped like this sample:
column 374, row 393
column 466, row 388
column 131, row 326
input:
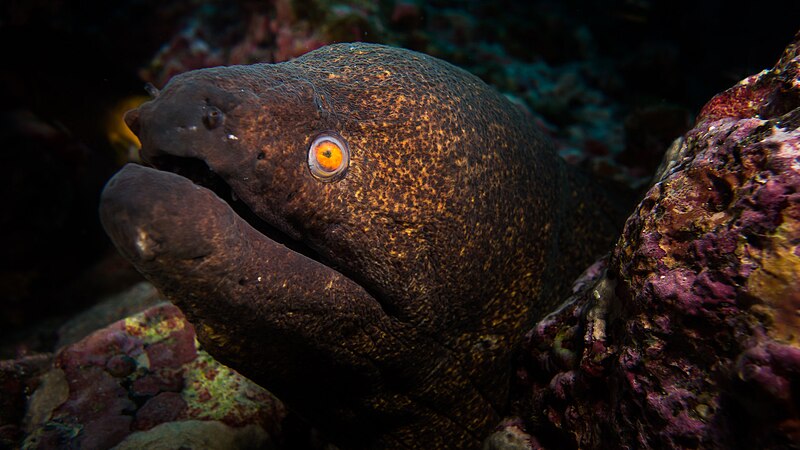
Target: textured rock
column 269, row 32
column 140, row 373
column 510, row 435
column 692, row 337
column 18, row 378
column 199, row 434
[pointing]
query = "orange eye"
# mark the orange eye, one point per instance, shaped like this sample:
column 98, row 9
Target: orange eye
column 328, row 157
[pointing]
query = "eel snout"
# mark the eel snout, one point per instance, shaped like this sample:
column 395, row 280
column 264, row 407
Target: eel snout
column 185, row 238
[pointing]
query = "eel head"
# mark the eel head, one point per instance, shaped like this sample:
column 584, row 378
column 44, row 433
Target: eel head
column 364, row 231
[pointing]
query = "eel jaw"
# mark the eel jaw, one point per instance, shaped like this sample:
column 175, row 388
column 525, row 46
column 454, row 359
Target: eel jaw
column 197, row 171
column 239, row 287
column 177, row 138
column 162, row 220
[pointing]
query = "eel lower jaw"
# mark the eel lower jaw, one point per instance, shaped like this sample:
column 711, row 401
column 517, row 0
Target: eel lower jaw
column 198, row 172
column 180, row 234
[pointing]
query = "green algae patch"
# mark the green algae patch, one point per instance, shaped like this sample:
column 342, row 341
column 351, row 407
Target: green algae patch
column 154, row 325
column 213, row 391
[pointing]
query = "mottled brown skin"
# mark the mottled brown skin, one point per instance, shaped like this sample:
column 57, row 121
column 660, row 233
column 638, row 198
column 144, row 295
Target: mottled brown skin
column 455, row 226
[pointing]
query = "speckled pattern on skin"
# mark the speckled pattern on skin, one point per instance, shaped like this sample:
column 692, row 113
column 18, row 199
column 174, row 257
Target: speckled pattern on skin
column 455, row 226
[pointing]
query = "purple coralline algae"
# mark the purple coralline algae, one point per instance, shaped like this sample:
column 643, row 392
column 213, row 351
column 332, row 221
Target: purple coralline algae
column 691, row 336
column 143, row 379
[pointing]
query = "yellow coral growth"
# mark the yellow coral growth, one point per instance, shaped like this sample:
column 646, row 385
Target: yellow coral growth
column 776, row 281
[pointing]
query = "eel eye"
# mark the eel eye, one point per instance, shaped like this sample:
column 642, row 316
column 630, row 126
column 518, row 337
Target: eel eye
column 328, row 157
column 212, row 118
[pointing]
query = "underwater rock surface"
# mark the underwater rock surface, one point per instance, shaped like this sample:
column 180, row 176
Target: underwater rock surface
column 17, row 379
column 143, row 380
column 691, row 337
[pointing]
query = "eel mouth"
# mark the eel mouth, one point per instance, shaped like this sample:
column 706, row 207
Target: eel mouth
column 198, row 172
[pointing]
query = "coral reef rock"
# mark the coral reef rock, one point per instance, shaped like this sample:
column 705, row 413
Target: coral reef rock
column 143, row 380
column 691, row 337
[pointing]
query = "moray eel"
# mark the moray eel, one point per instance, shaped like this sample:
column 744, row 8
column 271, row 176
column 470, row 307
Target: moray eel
column 366, row 231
